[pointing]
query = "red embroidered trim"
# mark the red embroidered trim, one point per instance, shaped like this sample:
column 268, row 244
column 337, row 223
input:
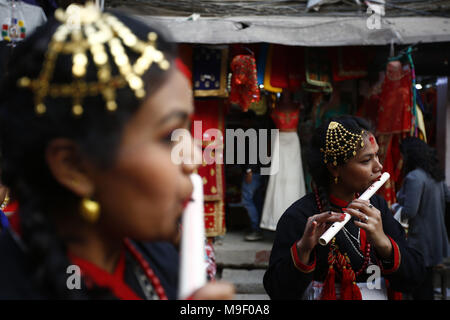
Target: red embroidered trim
column 338, row 202
column 115, row 282
column 397, row 258
column 102, row 278
column 298, row 264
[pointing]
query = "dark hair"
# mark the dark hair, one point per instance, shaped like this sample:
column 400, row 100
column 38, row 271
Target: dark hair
column 321, row 176
column 25, row 136
column 418, row 154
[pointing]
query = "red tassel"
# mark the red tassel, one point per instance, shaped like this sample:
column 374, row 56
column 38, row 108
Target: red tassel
column 329, row 291
column 346, row 284
column 349, row 288
column 356, row 292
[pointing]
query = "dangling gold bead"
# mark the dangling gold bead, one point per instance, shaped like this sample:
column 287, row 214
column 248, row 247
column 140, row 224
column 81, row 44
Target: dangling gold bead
column 77, row 110
column 111, row 106
column 40, row 108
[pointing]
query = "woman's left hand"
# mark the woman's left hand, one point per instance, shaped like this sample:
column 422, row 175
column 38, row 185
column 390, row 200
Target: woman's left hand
column 370, row 220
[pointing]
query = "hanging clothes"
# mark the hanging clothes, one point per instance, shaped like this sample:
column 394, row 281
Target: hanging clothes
column 395, row 121
column 209, row 74
column 286, row 180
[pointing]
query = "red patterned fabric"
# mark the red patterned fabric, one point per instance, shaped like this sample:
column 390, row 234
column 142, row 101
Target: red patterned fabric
column 349, row 63
column 285, row 120
column 395, row 101
column 244, row 83
column 391, row 159
column 394, row 121
column 211, row 115
column 288, row 67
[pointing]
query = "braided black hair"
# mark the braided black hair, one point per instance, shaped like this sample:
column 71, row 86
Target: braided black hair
column 25, row 137
column 321, row 176
column 418, row 154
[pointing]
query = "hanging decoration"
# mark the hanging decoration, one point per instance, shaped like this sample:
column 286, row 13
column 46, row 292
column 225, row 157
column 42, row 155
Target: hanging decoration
column 210, row 71
column 318, row 71
column 244, row 83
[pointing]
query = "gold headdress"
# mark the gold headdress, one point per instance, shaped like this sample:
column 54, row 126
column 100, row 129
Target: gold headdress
column 340, row 142
column 86, row 29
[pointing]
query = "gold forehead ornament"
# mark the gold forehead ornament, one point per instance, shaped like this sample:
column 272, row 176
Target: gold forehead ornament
column 84, row 30
column 339, row 142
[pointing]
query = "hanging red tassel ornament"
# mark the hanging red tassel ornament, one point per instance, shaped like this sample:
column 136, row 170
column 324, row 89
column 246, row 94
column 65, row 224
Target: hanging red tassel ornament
column 349, row 288
column 356, row 292
column 329, row 290
column 346, row 284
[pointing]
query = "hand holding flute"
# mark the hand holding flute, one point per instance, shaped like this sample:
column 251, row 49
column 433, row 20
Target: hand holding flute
column 317, row 229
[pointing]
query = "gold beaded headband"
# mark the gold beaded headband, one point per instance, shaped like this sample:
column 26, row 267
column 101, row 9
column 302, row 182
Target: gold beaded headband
column 339, row 142
column 86, row 29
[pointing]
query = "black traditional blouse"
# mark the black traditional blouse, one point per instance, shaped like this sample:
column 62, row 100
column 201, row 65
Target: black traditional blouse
column 16, row 272
column 288, row 278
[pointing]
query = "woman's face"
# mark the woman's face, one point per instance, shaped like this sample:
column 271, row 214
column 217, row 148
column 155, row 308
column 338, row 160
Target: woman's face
column 362, row 170
column 143, row 194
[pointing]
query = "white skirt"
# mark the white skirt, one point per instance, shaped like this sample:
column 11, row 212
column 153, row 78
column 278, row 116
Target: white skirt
column 286, row 182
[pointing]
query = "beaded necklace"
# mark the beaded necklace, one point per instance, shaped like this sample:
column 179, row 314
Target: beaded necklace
column 335, row 257
column 148, row 271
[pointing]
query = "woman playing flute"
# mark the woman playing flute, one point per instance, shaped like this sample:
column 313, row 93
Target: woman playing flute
column 369, row 258
column 87, row 113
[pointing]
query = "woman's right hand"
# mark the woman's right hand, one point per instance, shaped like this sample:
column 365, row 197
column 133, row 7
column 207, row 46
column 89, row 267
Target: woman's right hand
column 219, row 290
column 316, row 225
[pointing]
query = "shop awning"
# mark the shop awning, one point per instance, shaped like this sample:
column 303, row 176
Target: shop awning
column 314, row 31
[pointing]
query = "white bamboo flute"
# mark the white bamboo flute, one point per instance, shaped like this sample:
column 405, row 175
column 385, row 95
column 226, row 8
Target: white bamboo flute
column 337, row 226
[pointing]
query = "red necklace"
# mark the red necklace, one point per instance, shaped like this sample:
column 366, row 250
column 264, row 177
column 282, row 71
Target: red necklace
column 333, row 248
column 148, row 271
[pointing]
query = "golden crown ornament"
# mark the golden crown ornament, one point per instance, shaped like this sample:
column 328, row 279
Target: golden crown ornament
column 86, row 30
column 340, row 142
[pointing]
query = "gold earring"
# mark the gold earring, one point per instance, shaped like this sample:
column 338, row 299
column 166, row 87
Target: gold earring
column 90, row 210
column 336, row 180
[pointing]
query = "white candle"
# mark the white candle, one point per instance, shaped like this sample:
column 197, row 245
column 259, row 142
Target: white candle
column 337, row 226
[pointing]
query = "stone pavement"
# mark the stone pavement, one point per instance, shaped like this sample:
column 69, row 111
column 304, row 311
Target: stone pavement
column 243, row 263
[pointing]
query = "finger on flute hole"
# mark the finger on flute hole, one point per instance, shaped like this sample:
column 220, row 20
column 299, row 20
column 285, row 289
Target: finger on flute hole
column 352, row 212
